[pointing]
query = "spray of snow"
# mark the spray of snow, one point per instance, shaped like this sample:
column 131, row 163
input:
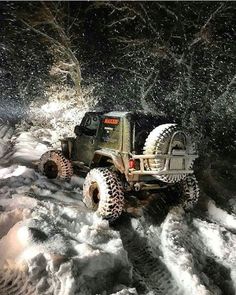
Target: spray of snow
column 222, row 217
column 61, row 112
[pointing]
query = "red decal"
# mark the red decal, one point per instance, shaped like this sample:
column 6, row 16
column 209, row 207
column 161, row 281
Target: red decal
column 111, row 121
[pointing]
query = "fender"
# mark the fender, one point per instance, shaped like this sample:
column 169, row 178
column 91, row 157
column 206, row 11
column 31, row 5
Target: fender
column 66, row 146
column 114, row 156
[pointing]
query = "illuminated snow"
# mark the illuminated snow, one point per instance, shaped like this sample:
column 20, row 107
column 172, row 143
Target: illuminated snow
column 50, row 238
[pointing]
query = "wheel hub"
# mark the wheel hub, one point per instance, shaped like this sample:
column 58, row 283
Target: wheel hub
column 51, row 169
column 94, row 193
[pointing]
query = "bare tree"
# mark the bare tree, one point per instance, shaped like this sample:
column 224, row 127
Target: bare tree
column 51, row 21
column 177, row 58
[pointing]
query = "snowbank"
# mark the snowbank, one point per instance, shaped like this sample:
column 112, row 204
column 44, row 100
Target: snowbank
column 51, row 244
column 222, row 217
column 49, row 238
column 80, row 253
column 76, row 246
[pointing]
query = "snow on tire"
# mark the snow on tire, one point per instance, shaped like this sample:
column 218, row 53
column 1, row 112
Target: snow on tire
column 158, row 143
column 103, row 193
column 54, row 165
column 189, row 192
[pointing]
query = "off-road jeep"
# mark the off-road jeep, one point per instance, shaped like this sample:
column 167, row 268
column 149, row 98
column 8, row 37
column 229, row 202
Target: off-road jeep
column 121, row 152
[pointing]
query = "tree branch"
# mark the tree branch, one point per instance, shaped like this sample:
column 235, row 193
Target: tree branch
column 229, row 85
column 43, row 34
column 213, row 15
column 203, row 28
column 170, row 12
column 128, row 70
column 125, row 19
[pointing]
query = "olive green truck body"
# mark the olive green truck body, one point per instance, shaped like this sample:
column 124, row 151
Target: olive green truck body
column 112, row 139
column 120, row 152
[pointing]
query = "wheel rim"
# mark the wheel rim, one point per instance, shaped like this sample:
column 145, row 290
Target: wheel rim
column 94, row 194
column 51, row 169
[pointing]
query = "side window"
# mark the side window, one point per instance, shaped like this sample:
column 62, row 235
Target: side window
column 90, row 125
column 141, row 133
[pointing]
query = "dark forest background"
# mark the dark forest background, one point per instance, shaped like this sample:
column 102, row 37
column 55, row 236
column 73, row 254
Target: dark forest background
column 173, row 58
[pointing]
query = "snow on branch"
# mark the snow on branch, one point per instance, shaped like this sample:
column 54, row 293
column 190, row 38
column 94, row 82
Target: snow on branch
column 169, row 11
column 204, row 32
column 124, row 19
column 132, row 42
column 213, row 14
column 138, row 75
column 231, row 83
column 48, row 23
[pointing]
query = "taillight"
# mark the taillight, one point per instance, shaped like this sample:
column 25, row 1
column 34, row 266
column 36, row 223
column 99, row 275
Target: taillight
column 131, row 164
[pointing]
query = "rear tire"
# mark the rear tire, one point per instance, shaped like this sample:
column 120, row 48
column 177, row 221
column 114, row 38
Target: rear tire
column 55, row 166
column 103, row 193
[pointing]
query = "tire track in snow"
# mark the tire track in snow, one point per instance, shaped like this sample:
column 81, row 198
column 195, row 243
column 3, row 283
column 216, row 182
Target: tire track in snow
column 220, row 244
column 221, row 216
column 191, row 257
column 172, row 233
column 6, row 145
column 16, row 281
column 181, row 256
column 150, row 274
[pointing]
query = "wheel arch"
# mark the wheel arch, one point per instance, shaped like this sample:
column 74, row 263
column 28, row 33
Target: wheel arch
column 104, row 158
column 67, row 146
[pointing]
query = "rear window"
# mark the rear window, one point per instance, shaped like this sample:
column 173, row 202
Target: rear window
column 111, row 130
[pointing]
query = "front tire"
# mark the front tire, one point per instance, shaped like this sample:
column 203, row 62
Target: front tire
column 103, row 193
column 55, row 166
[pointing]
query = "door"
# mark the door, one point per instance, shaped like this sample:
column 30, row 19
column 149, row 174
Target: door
column 86, row 141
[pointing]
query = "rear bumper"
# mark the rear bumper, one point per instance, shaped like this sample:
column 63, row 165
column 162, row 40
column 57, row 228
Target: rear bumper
column 168, row 168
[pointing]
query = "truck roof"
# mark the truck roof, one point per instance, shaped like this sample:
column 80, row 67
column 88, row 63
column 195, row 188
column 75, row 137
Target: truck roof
column 116, row 114
column 135, row 114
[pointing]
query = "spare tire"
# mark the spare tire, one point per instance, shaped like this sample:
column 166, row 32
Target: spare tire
column 54, row 165
column 158, row 142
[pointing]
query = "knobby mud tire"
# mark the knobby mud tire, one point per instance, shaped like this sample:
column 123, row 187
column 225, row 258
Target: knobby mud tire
column 189, row 190
column 55, row 166
column 103, row 193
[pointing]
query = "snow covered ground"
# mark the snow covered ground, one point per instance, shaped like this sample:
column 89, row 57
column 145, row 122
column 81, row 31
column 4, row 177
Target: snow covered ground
column 50, row 243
